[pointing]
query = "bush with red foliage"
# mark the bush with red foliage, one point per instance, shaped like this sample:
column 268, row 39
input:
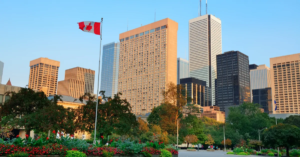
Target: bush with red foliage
column 151, row 150
column 99, row 151
column 49, row 149
column 173, row 151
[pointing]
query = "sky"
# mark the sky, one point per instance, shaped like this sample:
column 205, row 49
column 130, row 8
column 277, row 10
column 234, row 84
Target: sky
column 30, row 29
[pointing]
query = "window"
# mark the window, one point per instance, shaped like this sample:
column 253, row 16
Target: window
column 7, row 97
column 127, row 38
column 163, row 27
column 1, row 99
column 157, row 29
column 121, row 40
column 152, row 30
column 137, row 35
column 147, row 32
column 132, row 37
column 141, row 34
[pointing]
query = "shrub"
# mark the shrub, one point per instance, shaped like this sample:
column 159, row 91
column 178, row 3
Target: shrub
column 89, row 140
column 294, row 152
column 75, row 153
column 173, row 151
column 129, row 147
column 146, row 154
column 270, row 154
column 242, row 153
column 107, row 154
column 165, row 153
column 230, row 152
column 19, row 154
column 264, row 151
column 258, row 153
column 151, row 151
column 238, row 150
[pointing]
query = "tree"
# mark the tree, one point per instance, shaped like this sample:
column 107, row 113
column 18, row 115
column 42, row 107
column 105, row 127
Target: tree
column 143, row 126
column 154, row 118
column 293, row 120
column 114, row 116
column 227, row 142
column 194, row 126
column 22, row 104
column 156, row 129
column 247, row 119
column 190, row 139
column 210, row 140
column 282, row 135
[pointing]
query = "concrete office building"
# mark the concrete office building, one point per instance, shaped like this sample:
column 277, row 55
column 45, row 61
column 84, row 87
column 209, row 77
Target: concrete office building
column 205, row 42
column 43, row 75
column 233, row 83
column 147, row 63
column 182, row 69
column 110, row 69
column 252, row 66
column 196, row 91
column 285, row 80
column 78, row 81
column 1, row 71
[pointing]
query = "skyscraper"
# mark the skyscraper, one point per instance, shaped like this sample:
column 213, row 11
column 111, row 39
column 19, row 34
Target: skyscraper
column 1, row 71
column 78, row 81
column 182, row 69
column 260, row 78
column 233, row 83
column 285, row 84
column 147, row 63
column 205, row 42
column 43, row 75
column 110, row 68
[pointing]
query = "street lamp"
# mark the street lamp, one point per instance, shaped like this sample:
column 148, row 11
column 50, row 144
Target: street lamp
column 224, row 137
column 259, row 135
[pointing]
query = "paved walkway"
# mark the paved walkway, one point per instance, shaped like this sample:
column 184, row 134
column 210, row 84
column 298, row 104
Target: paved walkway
column 204, row 153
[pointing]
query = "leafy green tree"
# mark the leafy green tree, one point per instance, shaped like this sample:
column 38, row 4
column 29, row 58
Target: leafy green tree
column 154, row 118
column 193, row 126
column 114, row 116
column 22, row 104
column 293, row 120
column 247, row 119
column 282, row 135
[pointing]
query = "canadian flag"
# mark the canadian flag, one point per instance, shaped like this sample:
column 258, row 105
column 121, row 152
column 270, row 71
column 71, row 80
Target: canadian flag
column 90, row 26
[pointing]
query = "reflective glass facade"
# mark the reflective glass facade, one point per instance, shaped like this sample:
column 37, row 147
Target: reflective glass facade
column 263, row 97
column 233, row 83
column 182, row 69
column 110, row 69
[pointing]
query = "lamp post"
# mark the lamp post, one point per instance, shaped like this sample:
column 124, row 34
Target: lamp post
column 224, row 137
column 259, row 135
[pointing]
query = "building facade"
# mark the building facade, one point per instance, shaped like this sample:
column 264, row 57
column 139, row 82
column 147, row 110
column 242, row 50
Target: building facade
column 182, row 69
column 260, row 78
column 263, row 97
column 214, row 113
column 1, row 71
column 196, row 91
column 205, row 42
column 233, row 83
column 78, row 81
column 43, row 75
column 252, row 66
column 110, row 69
column 147, row 63
column 285, row 80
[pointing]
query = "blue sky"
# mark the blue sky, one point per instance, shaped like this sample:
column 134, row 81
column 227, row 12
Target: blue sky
column 48, row 28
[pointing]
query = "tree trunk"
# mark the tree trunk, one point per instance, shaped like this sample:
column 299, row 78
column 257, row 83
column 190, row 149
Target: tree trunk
column 287, row 151
column 28, row 132
column 187, row 145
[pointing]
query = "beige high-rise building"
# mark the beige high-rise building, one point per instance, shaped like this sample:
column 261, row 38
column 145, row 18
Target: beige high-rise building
column 43, row 75
column 286, row 84
column 78, row 81
column 147, row 62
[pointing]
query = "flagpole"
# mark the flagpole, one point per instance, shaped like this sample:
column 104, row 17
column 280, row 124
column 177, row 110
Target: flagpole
column 98, row 82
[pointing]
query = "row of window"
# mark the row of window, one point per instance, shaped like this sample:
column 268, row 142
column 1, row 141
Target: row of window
column 147, row 32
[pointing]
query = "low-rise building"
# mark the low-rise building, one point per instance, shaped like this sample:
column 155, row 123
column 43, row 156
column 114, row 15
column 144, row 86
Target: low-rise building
column 214, row 113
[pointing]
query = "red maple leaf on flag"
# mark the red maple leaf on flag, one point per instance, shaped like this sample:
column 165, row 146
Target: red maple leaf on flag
column 89, row 27
column 81, row 25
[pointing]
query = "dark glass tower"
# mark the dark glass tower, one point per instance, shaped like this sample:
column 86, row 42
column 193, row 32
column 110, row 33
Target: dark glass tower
column 263, row 97
column 233, row 83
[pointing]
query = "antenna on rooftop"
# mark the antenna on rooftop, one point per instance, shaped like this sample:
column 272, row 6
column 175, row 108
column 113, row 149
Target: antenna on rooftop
column 206, row 6
column 200, row 8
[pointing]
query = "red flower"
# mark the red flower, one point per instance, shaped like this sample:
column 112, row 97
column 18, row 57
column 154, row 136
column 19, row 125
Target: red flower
column 27, row 136
column 47, row 138
column 53, row 131
column 72, row 135
column 102, row 137
column 17, row 136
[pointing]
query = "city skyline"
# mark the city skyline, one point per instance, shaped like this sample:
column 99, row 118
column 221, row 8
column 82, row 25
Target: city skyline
column 62, row 32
